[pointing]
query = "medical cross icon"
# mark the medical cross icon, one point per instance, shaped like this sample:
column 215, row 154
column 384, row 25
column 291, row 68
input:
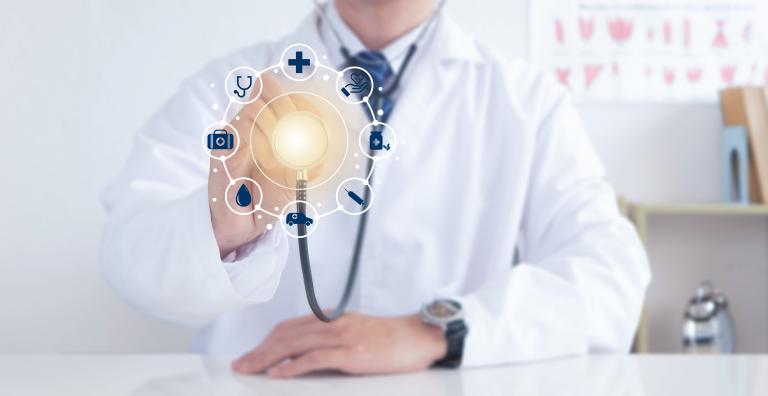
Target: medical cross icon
column 299, row 62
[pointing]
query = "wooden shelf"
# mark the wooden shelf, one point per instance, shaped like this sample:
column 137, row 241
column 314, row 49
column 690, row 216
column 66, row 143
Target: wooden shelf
column 636, row 209
column 639, row 213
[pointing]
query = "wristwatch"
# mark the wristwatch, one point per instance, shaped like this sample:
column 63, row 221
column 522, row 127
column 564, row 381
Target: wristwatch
column 449, row 316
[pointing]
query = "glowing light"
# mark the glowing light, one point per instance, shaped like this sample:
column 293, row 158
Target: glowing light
column 300, row 140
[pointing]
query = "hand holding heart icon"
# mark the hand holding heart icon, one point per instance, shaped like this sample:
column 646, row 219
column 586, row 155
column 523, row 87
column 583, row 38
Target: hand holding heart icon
column 358, row 85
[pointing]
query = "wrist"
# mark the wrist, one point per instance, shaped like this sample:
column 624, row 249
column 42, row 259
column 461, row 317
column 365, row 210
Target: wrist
column 229, row 241
column 431, row 336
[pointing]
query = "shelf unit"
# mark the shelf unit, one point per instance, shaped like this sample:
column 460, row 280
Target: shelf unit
column 639, row 213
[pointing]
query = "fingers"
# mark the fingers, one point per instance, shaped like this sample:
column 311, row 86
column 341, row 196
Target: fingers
column 262, row 149
column 260, row 119
column 303, row 103
column 279, row 105
column 273, row 92
column 320, row 359
column 263, row 118
column 279, row 349
column 288, row 339
column 290, row 177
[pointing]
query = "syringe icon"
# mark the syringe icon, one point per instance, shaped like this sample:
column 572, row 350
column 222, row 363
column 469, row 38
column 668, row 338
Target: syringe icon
column 355, row 197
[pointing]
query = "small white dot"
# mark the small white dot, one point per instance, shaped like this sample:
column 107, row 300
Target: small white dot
column 380, row 112
column 355, row 155
column 365, row 182
column 381, row 89
column 365, row 99
column 215, row 106
column 325, row 77
column 231, row 182
column 341, row 74
column 402, row 141
column 357, row 166
column 213, row 199
column 397, row 158
column 375, row 122
column 215, row 170
column 237, row 118
column 319, row 204
column 258, row 217
column 325, row 56
column 269, row 226
column 378, row 182
column 275, row 71
column 213, row 85
column 276, row 209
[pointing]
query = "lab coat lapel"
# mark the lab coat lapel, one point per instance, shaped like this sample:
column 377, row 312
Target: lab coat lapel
column 428, row 73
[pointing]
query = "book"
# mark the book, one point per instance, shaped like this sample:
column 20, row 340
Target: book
column 748, row 107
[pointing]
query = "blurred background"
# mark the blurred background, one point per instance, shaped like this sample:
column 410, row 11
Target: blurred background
column 79, row 77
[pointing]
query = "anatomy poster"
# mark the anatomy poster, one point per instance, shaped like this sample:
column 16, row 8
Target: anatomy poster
column 671, row 50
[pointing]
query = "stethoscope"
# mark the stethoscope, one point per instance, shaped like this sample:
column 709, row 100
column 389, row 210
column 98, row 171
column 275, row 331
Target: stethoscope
column 301, row 186
column 241, row 88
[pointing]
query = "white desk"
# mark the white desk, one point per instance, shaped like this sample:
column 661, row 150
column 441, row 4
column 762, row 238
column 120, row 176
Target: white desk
column 191, row 375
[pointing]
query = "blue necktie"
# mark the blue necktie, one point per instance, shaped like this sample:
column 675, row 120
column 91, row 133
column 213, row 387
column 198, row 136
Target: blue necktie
column 376, row 64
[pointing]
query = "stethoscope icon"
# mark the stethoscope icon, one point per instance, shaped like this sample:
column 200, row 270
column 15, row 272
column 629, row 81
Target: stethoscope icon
column 250, row 84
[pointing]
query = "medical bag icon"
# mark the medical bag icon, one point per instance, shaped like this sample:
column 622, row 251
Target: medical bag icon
column 220, row 139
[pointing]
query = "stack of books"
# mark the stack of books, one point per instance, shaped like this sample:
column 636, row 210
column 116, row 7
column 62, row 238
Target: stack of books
column 748, row 107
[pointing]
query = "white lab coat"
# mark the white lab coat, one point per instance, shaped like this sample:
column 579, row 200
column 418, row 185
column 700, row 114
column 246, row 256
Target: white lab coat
column 495, row 157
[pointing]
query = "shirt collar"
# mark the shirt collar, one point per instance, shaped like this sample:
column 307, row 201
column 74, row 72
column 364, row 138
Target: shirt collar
column 394, row 52
column 446, row 42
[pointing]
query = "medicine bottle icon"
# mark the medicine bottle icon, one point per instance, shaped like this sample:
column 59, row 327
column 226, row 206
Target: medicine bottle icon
column 376, row 141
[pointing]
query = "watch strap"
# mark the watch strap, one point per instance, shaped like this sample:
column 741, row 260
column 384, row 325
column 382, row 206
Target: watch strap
column 455, row 332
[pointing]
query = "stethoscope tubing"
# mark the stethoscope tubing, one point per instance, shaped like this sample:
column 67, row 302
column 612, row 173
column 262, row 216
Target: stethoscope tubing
column 306, row 268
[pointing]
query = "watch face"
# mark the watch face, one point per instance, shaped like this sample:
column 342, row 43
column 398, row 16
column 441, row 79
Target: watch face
column 443, row 309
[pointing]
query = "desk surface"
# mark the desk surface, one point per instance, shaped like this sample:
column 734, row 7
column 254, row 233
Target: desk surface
column 191, row 375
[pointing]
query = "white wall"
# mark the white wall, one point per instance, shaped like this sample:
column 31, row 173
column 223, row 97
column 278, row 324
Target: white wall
column 79, row 77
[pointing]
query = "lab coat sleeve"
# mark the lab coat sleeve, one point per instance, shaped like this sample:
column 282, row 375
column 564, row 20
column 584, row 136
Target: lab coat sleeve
column 159, row 252
column 581, row 283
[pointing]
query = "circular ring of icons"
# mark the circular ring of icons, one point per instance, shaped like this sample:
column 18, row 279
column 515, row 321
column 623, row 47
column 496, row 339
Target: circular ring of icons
column 377, row 140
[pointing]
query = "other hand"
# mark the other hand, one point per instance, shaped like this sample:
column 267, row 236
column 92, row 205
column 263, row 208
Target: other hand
column 353, row 344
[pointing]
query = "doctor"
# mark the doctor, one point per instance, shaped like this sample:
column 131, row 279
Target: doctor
column 496, row 158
